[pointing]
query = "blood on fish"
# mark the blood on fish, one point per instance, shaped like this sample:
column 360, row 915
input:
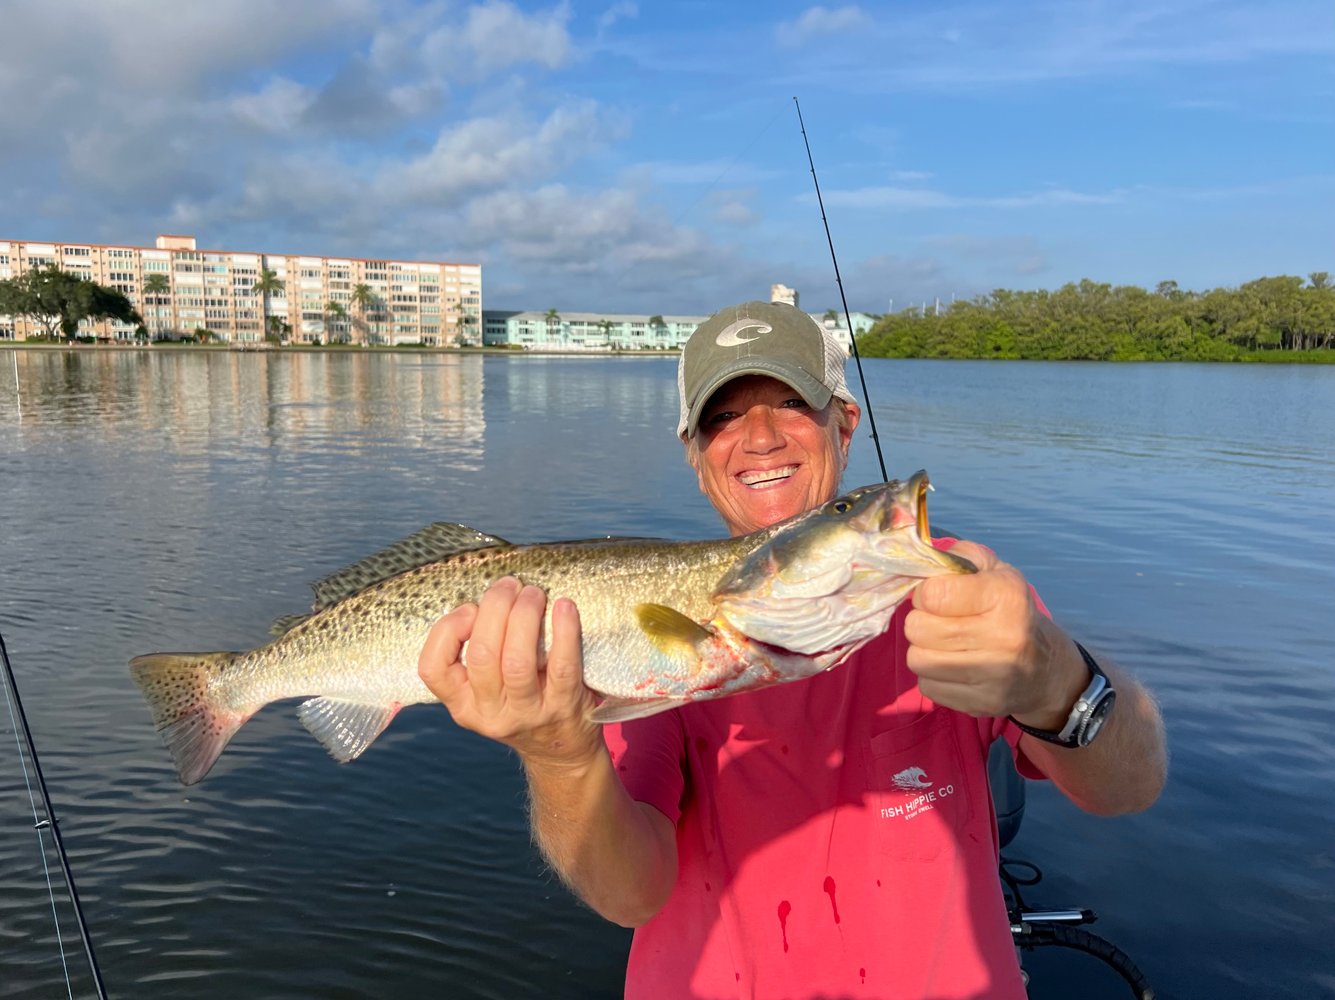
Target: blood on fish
column 785, row 908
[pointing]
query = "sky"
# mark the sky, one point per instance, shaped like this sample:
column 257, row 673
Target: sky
column 638, row 156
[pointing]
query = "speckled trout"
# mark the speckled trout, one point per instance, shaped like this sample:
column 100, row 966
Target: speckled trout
column 664, row 623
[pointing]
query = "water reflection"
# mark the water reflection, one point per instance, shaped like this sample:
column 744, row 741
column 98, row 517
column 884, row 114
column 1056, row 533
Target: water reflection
column 1176, row 515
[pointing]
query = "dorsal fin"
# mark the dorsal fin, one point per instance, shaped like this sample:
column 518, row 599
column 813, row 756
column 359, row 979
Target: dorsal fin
column 286, row 623
column 434, row 542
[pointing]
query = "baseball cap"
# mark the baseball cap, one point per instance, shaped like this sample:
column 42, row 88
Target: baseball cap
column 759, row 338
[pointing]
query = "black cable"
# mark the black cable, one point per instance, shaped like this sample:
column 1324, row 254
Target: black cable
column 1079, row 939
column 53, row 826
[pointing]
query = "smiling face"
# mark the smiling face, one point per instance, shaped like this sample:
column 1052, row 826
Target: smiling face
column 762, row 454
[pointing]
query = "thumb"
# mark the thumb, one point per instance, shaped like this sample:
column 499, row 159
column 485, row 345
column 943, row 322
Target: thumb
column 955, row 593
column 980, row 555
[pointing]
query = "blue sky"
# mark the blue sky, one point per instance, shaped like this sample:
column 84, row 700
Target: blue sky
column 638, row 156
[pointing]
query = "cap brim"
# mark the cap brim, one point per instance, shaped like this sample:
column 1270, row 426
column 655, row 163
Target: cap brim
column 810, row 388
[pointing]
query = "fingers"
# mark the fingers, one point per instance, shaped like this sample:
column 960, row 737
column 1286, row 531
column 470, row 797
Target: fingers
column 487, row 645
column 438, row 664
column 565, row 669
column 521, row 656
column 501, row 666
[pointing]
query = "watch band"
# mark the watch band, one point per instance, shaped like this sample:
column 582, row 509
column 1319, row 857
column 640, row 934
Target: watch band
column 1088, row 713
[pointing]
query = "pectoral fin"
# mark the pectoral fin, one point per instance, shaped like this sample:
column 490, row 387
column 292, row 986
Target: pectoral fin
column 674, row 634
column 624, row 709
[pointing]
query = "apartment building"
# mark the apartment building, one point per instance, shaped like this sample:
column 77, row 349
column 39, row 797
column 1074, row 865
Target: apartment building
column 180, row 289
column 584, row 331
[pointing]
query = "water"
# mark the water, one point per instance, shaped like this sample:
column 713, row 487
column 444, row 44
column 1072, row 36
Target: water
column 1177, row 516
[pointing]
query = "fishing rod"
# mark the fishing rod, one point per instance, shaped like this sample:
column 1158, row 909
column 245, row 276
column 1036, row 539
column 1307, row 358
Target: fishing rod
column 871, row 417
column 50, row 823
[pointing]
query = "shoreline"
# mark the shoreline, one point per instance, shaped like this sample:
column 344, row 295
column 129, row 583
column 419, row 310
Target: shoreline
column 1313, row 357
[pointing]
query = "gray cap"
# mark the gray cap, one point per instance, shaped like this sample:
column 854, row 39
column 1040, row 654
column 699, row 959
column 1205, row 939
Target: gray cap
column 759, row 338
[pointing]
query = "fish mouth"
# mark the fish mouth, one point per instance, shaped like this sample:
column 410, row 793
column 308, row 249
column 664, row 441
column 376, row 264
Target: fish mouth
column 765, row 477
column 917, row 489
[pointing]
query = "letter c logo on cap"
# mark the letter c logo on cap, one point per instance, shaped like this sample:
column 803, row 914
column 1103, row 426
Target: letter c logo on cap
column 728, row 337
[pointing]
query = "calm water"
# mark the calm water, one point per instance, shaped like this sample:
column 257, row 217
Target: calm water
column 1178, row 516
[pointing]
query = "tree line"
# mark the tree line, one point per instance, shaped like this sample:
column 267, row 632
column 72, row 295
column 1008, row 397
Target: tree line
column 59, row 301
column 1281, row 317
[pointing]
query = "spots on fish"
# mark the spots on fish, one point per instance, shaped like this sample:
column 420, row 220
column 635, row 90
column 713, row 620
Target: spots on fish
column 829, row 891
column 785, row 908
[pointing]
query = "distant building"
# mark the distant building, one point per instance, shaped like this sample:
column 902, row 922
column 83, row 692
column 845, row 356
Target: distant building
column 586, row 331
column 782, row 293
column 410, row 302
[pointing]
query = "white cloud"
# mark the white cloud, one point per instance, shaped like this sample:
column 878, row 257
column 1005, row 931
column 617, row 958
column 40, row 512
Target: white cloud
column 816, row 22
column 276, row 108
column 493, row 36
column 481, row 154
column 623, row 10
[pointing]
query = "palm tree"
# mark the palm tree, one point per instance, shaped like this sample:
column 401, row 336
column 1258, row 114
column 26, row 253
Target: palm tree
column 156, row 285
column 363, row 298
column 267, row 284
column 340, row 316
column 553, row 320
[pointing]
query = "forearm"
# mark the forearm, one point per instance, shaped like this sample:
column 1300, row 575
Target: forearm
column 1124, row 769
column 616, row 854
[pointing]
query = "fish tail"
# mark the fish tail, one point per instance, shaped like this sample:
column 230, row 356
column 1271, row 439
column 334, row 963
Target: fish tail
column 193, row 722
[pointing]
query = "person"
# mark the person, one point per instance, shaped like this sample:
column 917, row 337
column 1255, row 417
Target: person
column 832, row 837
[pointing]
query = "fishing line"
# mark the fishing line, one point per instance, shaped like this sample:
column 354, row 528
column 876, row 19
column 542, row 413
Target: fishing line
column 866, row 399
column 50, row 823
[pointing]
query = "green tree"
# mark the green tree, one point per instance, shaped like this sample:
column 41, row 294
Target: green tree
column 554, row 325
column 277, row 329
column 59, row 301
column 155, row 287
column 658, row 326
column 266, row 285
column 338, row 317
column 363, row 298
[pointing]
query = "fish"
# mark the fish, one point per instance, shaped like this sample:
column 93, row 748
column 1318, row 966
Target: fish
column 664, row 623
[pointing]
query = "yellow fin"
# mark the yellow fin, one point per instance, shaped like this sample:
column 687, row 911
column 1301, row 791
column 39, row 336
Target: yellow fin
column 673, row 633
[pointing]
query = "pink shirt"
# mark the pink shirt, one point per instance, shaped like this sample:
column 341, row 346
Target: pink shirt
column 835, row 836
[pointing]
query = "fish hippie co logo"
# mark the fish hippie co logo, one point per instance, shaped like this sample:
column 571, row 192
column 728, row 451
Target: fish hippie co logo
column 914, row 779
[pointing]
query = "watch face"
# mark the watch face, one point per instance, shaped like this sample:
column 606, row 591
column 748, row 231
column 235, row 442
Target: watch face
column 1097, row 717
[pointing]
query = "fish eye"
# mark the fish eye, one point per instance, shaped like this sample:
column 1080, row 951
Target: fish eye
column 841, row 506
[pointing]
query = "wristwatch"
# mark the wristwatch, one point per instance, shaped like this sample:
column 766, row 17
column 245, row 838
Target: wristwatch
column 1090, row 712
